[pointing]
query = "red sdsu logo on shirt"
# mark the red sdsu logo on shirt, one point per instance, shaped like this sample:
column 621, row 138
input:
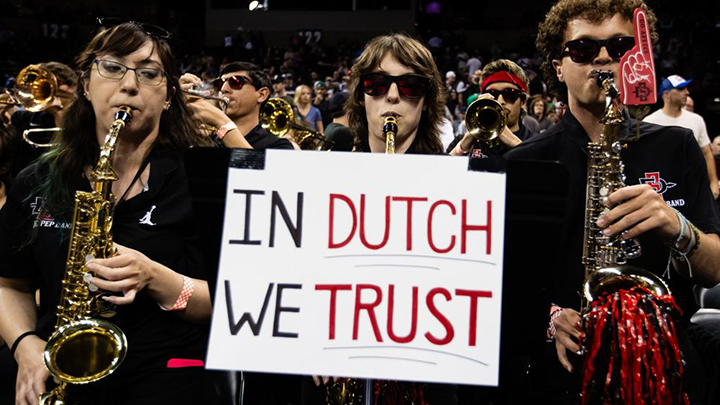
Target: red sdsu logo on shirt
column 46, row 220
column 656, row 182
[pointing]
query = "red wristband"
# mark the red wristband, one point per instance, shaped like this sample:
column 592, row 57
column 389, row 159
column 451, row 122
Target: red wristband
column 187, row 291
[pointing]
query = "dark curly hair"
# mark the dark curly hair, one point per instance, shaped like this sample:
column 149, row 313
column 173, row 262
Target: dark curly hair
column 413, row 54
column 551, row 32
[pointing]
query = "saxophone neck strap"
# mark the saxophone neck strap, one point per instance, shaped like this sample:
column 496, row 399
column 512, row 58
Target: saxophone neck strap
column 139, row 173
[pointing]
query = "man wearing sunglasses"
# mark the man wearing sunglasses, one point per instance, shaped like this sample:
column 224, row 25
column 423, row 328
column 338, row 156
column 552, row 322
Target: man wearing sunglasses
column 675, row 95
column 504, row 81
column 663, row 168
column 246, row 88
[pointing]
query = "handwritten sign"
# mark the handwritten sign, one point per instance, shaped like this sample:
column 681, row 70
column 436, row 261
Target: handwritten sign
column 361, row 265
column 637, row 84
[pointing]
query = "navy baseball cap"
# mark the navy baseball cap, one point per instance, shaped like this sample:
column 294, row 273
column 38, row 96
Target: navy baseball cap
column 673, row 82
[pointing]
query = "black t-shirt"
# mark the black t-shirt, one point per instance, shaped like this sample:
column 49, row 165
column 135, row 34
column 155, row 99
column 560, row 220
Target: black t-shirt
column 667, row 158
column 159, row 224
column 261, row 139
column 490, row 159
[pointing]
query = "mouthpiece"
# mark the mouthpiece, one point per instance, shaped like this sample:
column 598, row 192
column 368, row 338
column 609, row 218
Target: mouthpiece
column 123, row 114
column 389, row 131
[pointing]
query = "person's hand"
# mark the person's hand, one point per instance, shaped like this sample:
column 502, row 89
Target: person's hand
column 128, row 272
column 568, row 336
column 32, row 373
column 189, row 81
column 206, row 112
column 636, row 210
column 323, row 379
column 509, row 139
column 715, row 188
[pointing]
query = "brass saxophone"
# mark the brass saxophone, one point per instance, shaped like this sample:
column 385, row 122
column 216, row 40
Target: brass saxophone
column 610, row 284
column 84, row 349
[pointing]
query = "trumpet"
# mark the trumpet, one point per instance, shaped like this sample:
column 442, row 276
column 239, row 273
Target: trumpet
column 35, row 144
column 485, row 120
column 277, row 117
column 35, row 89
column 202, row 94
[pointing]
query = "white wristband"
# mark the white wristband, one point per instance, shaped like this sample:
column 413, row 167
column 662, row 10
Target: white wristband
column 225, row 129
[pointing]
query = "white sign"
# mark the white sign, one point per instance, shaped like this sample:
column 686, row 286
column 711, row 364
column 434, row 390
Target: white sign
column 361, row 265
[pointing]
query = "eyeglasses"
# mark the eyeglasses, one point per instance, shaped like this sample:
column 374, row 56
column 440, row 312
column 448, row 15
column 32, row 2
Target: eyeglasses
column 584, row 50
column 235, row 82
column 116, row 71
column 154, row 30
column 410, row 86
column 509, row 94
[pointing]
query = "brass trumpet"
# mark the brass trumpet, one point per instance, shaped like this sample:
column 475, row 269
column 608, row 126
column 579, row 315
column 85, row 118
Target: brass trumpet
column 485, row 119
column 277, row 117
column 201, row 94
column 35, row 88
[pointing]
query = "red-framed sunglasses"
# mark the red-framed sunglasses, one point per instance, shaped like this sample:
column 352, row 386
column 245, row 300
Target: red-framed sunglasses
column 410, row 86
column 235, row 82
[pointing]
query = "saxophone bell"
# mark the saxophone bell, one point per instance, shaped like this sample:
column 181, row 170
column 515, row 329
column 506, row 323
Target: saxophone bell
column 84, row 349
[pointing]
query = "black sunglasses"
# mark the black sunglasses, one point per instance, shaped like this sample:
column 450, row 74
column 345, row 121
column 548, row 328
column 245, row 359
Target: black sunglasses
column 584, row 50
column 154, row 30
column 235, row 82
column 510, row 95
column 410, row 86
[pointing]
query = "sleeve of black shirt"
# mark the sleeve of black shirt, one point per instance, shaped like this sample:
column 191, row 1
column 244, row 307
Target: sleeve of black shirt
column 281, row 143
column 15, row 228
column 702, row 209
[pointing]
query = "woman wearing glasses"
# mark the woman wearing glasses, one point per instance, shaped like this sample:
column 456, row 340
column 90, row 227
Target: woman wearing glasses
column 161, row 296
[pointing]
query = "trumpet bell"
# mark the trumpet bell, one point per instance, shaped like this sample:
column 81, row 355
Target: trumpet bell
column 35, row 88
column 85, row 351
column 485, row 119
column 276, row 116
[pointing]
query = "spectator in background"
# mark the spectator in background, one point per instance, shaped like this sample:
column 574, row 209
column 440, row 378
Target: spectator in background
column 278, row 84
column 674, row 92
column 538, row 109
column 475, row 63
column 322, row 102
column 451, row 99
column 307, row 112
column 689, row 104
column 339, row 131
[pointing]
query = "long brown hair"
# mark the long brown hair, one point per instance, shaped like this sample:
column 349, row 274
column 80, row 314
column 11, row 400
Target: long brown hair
column 414, row 55
column 77, row 146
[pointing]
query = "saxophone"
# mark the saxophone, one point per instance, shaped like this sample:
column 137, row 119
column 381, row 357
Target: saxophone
column 390, row 129
column 355, row 391
column 84, row 349
column 630, row 348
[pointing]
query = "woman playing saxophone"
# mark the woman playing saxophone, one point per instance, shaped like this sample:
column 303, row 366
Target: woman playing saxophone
column 156, row 276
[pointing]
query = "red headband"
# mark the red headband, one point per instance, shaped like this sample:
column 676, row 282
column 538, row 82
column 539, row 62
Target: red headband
column 504, row 77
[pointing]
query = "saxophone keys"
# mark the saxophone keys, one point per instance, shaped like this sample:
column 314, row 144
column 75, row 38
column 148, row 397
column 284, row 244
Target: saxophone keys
column 87, row 277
